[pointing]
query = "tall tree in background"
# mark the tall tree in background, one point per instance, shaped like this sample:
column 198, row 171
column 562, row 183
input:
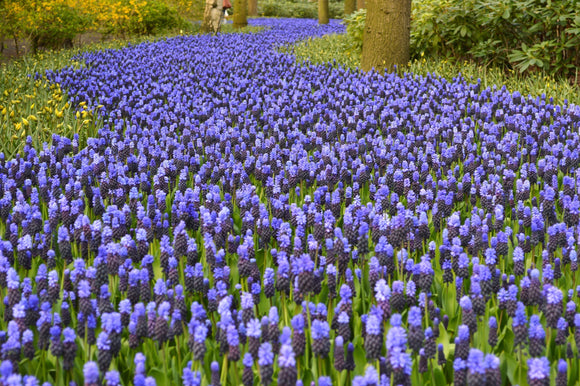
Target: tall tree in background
column 240, row 13
column 360, row 4
column 387, row 34
column 252, row 7
column 322, row 11
column 349, row 7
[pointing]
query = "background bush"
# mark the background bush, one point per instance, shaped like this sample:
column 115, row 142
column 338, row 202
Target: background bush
column 57, row 26
column 156, row 17
column 138, row 17
column 55, row 23
column 529, row 35
column 299, row 9
column 355, row 26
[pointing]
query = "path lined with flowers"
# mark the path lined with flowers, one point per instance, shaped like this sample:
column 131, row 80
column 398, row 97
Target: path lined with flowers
column 243, row 219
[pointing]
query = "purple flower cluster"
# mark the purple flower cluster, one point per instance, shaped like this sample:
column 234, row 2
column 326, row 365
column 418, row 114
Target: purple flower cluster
column 238, row 207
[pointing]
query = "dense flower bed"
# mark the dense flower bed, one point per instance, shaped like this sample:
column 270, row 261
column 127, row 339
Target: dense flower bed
column 242, row 219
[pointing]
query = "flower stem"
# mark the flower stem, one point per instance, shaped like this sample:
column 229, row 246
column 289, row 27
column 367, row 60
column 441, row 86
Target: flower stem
column 165, row 357
column 224, row 376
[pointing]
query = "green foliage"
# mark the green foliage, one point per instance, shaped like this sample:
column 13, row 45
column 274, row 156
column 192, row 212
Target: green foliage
column 355, row 27
column 158, row 17
column 56, row 27
column 298, row 9
column 11, row 24
column 335, row 49
column 31, row 106
column 188, row 9
column 530, row 36
column 527, row 35
column 249, row 29
column 331, row 48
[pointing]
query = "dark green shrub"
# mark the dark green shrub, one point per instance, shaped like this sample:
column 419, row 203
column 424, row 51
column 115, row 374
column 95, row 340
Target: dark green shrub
column 527, row 35
column 552, row 41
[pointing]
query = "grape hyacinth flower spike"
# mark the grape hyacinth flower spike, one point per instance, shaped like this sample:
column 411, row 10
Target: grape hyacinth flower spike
column 287, row 365
column 562, row 374
column 373, row 338
column 538, row 371
column 266, row 360
column 91, row 374
column 248, row 373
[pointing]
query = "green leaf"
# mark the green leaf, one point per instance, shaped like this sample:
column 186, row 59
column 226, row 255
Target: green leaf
column 507, row 341
column 160, row 376
column 314, row 367
column 524, row 65
column 439, row 377
column 360, row 358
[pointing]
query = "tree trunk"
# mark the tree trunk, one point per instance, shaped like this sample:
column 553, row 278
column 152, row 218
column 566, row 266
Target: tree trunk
column 360, row 4
column 349, row 7
column 322, row 11
column 240, row 13
column 16, row 46
column 252, row 7
column 211, row 16
column 387, row 35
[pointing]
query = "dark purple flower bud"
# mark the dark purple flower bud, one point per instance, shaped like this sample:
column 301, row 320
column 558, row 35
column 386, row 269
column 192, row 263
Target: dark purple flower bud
column 215, row 374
